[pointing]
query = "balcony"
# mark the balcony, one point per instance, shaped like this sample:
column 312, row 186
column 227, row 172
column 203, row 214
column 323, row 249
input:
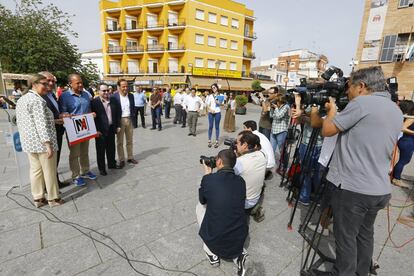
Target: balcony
column 158, row 48
column 175, row 24
column 134, row 71
column 113, row 29
column 176, row 70
column 249, row 55
column 250, row 36
column 134, row 28
column 115, row 50
column 155, row 71
column 175, row 47
column 139, row 49
column 155, row 26
column 115, row 72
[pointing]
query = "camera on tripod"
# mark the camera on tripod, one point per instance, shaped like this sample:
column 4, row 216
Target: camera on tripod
column 319, row 93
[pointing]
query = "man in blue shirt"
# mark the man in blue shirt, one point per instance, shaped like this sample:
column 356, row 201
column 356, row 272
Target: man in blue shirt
column 76, row 101
column 140, row 102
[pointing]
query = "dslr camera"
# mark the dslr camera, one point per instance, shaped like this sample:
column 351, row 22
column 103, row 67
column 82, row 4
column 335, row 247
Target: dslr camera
column 209, row 161
column 231, row 143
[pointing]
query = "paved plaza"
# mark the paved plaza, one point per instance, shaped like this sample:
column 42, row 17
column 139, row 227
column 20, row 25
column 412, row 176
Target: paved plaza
column 149, row 211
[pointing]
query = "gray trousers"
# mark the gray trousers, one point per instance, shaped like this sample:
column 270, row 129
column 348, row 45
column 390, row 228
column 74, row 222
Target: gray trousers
column 192, row 117
column 354, row 217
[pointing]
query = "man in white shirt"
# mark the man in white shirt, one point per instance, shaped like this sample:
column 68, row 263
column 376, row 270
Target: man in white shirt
column 178, row 99
column 126, row 106
column 192, row 105
column 186, row 94
column 266, row 146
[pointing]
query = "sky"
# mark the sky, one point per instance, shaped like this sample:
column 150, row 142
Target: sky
column 329, row 27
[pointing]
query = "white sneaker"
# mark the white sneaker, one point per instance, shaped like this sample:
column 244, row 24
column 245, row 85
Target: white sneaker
column 313, row 227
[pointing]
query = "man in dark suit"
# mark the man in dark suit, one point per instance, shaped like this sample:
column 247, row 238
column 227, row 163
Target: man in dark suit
column 126, row 107
column 53, row 105
column 220, row 212
column 107, row 124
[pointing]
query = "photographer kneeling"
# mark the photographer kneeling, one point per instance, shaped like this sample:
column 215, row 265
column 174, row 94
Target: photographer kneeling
column 220, row 212
column 368, row 129
column 251, row 165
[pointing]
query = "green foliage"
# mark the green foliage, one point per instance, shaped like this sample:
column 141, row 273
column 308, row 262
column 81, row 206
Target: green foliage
column 241, row 100
column 256, row 85
column 34, row 39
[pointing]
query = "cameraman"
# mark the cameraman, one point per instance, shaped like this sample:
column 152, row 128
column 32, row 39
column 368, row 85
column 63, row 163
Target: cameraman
column 264, row 144
column 368, row 129
column 220, row 212
column 251, row 165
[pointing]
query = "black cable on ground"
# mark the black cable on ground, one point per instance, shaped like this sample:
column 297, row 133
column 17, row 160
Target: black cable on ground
column 78, row 227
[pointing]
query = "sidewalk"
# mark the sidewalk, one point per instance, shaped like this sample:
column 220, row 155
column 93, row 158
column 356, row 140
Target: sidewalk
column 149, row 210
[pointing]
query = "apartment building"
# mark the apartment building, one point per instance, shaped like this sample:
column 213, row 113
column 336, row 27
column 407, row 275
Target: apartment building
column 196, row 41
column 387, row 39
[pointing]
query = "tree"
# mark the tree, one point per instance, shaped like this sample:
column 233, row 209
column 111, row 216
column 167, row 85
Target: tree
column 256, row 85
column 35, row 38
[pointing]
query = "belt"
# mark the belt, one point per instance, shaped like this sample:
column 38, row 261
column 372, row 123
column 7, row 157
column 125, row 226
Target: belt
column 192, row 111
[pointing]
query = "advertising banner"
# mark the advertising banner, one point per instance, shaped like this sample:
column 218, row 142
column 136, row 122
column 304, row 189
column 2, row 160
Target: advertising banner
column 80, row 128
column 375, row 26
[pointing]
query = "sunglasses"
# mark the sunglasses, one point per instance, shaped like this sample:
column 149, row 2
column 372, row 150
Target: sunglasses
column 43, row 83
column 106, row 90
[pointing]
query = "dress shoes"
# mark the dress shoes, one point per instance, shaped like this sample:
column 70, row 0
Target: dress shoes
column 121, row 164
column 115, row 167
column 132, row 161
column 63, row 184
column 103, row 173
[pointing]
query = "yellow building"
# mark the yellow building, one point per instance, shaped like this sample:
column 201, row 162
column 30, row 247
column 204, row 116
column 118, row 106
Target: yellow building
column 162, row 41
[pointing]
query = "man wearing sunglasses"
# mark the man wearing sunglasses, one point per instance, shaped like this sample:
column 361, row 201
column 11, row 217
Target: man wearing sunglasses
column 107, row 124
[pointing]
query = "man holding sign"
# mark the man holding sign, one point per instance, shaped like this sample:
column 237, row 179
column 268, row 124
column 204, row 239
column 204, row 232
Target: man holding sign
column 75, row 101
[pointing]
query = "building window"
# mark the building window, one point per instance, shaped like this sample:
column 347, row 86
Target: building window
column 133, row 66
column 234, row 23
column 212, row 41
column 199, row 14
column 292, row 64
column 211, row 63
column 199, row 62
column 131, row 23
column 111, row 24
column 199, row 39
column 388, row 48
column 223, row 43
column 234, row 45
column 404, row 3
column 212, row 17
column 233, row 66
column 114, row 67
column 224, row 20
column 222, row 65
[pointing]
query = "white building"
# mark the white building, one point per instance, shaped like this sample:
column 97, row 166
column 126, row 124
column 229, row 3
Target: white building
column 96, row 57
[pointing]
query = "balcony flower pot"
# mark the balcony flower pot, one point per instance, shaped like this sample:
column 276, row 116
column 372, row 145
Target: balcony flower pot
column 241, row 101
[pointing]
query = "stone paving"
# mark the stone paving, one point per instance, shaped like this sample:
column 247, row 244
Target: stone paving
column 149, row 211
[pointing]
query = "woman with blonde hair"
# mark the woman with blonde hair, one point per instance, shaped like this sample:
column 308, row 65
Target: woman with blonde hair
column 38, row 138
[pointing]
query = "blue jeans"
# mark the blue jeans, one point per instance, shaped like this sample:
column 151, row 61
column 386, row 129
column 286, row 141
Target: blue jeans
column 406, row 147
column 214, row 120
column 313, row 177
column 265, row 131
column 156, row 117
column 278, row 141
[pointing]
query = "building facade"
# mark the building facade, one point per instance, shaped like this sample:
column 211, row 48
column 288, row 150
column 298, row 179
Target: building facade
column 175, row 40
column 387, row 39
column 94, row 57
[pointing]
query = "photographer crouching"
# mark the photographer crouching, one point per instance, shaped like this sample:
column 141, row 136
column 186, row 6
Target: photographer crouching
column 220, row 212
column 367, row 130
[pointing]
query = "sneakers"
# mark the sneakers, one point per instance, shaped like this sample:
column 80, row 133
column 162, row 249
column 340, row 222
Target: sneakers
column 89, row 175
column 213, row 259
column 313, row 227
column 78, row 181
column 241, row 264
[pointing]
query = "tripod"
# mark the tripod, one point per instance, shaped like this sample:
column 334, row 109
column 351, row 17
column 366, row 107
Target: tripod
column 287, row 149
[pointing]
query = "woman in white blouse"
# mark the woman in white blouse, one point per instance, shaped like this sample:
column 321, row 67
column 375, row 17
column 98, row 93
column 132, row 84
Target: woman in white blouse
column 214, row 114
column 38, row 138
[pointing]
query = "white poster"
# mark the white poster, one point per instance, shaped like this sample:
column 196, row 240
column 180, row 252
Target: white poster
column 375, row 26
column 80, row 128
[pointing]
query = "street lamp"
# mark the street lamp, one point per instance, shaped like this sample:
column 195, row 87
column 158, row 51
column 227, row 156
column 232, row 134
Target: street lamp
column 287, row 73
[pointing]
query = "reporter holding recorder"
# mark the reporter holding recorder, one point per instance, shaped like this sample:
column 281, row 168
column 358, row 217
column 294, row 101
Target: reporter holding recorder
column 367, row 130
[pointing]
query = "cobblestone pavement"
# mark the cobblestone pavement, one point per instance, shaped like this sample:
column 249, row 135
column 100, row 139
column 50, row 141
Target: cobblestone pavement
column 149, row 211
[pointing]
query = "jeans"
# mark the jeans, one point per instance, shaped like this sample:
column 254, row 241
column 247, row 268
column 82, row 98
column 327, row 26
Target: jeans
column 156, row 117
column 313, row 177
column 214, row 120
column 406, row 147
column 265, row 132
column 354, row 216
column 278, row 141
column 167, row 108
column 141, row 111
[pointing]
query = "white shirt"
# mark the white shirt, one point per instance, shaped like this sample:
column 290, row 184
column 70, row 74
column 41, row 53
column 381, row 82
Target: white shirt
column 267, row 149
column 328, row 147
column 211, row 104
column 184, row 100
column 124, row 106
column 178, row 98
column 193, row 103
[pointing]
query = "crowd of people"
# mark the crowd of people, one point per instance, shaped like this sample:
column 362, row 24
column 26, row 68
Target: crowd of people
column 347, row 145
